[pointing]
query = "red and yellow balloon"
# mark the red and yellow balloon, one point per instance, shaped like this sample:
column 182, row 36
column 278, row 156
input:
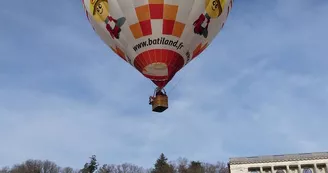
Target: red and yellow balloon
column 157, row 37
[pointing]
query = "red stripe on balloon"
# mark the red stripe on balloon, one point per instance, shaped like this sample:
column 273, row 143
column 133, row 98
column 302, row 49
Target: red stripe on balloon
column 173, row 60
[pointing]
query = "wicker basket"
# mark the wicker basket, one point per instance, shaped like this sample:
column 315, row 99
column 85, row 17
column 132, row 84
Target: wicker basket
column 160, row 103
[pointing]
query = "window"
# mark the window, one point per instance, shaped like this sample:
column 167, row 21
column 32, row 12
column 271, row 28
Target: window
column 280, row 171
column 307, row 170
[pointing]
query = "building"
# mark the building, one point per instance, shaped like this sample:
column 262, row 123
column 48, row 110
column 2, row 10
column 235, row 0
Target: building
column 290, row 163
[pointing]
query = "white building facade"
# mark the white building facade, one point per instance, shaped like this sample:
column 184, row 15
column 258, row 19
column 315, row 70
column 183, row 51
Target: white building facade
column 291, row 163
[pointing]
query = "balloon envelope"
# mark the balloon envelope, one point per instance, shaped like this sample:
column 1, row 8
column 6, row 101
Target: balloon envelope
column 157, row 37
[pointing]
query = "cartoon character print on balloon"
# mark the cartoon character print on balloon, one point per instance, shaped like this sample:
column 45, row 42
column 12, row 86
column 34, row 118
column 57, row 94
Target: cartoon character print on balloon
column 213, row 9
column 100, row 12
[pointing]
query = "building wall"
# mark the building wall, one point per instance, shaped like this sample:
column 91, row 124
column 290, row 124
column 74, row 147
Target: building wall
column 304, row 166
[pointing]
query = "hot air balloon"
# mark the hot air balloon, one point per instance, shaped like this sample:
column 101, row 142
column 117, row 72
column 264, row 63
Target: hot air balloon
column 157, row 37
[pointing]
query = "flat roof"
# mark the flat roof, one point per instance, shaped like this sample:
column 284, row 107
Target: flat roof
column 278, row 158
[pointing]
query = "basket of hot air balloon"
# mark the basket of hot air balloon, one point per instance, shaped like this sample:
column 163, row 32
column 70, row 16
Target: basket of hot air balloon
column 159, row 100
column 157, row 37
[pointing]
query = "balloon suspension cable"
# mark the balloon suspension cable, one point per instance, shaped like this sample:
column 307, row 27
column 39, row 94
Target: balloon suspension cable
column 158, row 89
column 176, row 84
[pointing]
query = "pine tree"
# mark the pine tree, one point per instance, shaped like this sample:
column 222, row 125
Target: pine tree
column 92, row 166
column 162, row 166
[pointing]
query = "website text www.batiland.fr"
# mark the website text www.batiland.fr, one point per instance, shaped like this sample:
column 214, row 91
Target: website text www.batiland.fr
column 163, row 41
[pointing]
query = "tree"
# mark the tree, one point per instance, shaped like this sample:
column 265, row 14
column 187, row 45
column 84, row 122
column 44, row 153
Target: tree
column 209, row 168
column 107, row 169
column 131, row 168
column 29, row 166
column 68, row 170
column 32, row 166
column 196, row 167
column 182, row 165
column 90, row 167
column 123, row 168
column 222, row 167
column 224, row 170
column 5, row 170
column 162, row 166
column 49, row 167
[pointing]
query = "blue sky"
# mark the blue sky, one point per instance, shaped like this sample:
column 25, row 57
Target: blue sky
column 260, row 88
